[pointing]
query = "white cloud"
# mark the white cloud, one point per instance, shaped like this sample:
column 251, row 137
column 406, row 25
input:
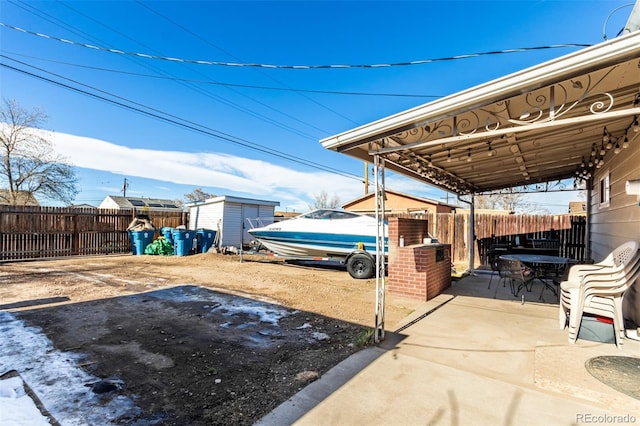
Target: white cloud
column 205, row 169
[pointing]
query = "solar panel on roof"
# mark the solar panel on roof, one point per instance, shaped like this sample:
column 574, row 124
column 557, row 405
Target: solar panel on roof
column 137, row 203
column 171, row 206
column 155, row 205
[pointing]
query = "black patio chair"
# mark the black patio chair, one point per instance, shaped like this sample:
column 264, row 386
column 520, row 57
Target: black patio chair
column 512, row 270
column 493, row 256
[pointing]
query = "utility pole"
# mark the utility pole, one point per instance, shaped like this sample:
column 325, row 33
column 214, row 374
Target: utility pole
column 125, row 185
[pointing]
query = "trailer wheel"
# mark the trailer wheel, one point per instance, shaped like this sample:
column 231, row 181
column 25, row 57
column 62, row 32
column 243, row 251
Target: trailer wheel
column 360, row 266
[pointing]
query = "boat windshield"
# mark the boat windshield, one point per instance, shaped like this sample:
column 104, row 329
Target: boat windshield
column 329, row 214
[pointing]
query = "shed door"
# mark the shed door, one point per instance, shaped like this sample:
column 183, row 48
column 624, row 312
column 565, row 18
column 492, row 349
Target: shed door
column 249, row 211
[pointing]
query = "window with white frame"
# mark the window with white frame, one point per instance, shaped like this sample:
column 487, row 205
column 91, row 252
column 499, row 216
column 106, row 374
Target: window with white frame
column 604, row 190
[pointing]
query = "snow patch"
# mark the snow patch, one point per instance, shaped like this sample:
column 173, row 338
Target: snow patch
column 16, row 407
column 239, row 306
column 320, row 336
column 54, row 376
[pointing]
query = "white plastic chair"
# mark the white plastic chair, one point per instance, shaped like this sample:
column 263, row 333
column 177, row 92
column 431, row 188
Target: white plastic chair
column 606, row 300
column 598, row 289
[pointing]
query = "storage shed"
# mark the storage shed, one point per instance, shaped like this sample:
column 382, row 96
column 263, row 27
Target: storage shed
column 231, row 217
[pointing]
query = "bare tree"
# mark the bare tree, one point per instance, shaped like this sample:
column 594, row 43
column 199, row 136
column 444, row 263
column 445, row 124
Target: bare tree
column 29, row 167
column 197, row 195
column 322, row 201
column 512, row 202
column 488, row 201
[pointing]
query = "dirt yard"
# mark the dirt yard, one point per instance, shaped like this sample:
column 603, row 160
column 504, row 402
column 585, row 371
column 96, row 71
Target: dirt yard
column 198, row 340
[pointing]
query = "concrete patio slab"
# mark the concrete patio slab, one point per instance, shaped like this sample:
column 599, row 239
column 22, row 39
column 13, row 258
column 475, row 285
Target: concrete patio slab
column 473, row 356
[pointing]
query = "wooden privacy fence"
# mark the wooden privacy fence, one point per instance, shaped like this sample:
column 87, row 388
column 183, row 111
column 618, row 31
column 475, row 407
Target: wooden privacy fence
column 41, row 232
column 30, row 232
column 570, row 232
column 516, row 230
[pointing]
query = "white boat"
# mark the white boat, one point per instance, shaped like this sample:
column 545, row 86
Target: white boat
column 325, row 234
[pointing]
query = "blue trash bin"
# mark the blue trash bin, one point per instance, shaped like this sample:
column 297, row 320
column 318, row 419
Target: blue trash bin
column 205, row 239
column 140, row 240
column 182, row 241
column 133, row 246
column 166, row 232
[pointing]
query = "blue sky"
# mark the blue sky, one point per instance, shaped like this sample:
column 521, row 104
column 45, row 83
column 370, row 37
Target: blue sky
column 241, row 114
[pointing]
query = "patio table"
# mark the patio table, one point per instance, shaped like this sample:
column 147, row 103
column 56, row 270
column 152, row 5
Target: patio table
column 539, row 264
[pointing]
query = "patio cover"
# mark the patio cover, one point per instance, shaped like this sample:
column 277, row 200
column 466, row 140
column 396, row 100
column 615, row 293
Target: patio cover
column 543, row 124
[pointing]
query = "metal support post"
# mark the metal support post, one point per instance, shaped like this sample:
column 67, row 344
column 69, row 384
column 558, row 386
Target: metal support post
column 380, row 248
column 472, row 233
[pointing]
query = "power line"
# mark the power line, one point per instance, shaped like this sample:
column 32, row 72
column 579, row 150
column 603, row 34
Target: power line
column 295, row 67
column 218, row 83
column 209, row 94
column 43, row 15
column 177, row 121
column 212, row 132
column 187, row 30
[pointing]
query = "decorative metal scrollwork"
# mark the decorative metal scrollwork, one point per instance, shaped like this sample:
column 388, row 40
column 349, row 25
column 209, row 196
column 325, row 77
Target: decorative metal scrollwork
column 555, row 186
column 601, row 106
column 467, row 123
column 543, row 105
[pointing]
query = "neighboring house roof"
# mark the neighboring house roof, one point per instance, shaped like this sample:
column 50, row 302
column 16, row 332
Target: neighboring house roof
column 22, row 198
column 577, row 206
column 83, row 206
column 530, row 127
column 485, row 211
column 139, row 203
column 400, row 194
column 286, row 214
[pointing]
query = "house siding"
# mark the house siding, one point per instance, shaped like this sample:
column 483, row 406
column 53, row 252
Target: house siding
column 206, row 216
column 266, row 214
column 232, row 225
column 619, row 221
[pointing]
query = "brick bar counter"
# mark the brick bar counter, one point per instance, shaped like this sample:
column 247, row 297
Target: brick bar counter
column 417, row 270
